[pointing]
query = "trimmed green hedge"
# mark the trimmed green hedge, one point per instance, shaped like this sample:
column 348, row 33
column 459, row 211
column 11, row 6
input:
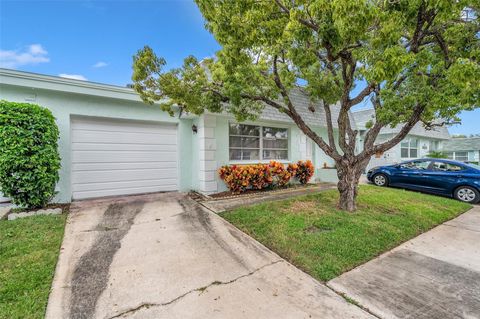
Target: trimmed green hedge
column 29, row 159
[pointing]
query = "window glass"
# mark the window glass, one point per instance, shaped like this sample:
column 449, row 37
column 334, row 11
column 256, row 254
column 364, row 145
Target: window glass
column 242, row 129
column 416, row 165
column 409, row 148
column 250, row 142
column 275, row 154
column 461, row 156
column 446, row 167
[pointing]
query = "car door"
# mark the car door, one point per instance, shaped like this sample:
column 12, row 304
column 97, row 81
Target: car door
column 444, row 176
column 412, row 174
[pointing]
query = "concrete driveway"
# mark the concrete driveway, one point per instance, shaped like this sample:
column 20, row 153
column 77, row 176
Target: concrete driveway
column 435, row 275
column 164, row 256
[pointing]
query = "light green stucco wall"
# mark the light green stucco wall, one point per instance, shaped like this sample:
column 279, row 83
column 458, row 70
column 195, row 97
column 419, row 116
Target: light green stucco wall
column 65, row 105
column 295, row 151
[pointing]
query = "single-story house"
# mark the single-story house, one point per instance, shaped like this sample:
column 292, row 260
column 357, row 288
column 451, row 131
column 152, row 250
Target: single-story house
column 463, row 149
column 417, row 144
column 111, row 143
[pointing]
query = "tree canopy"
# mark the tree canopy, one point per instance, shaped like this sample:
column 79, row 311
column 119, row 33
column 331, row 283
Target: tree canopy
column 415, row 60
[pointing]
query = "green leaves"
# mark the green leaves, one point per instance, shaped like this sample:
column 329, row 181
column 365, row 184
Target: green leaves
column 415, row 52
column 29, row 159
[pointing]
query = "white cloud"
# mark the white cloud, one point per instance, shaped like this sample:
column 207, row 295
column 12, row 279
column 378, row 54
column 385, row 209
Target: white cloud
column 73, row 76
column 32, row 54
column 100, row 64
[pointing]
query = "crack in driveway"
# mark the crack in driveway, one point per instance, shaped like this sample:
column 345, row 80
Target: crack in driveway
column 91, row 273
column 200, row 289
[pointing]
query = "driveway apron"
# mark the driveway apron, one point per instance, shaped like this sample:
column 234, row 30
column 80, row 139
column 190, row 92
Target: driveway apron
column 165, row 256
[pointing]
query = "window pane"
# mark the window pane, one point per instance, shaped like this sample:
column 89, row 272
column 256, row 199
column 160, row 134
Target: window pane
column 450, row 155
column 242, row 129
column 461, row 156
column 273, row 143
column 454, row 168
column 235, row 155
column 404, row 152
column 250, row 154
column 413, row 153
column 416, row 165
column 275, row 155
column 422, row 164
column 405, row 143
column 251, row 142
column 445, row 167
column 413, row 142
column 235, row 141
column 274, row 132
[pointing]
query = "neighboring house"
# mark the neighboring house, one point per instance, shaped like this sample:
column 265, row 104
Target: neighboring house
column 111, row 143
column 463, row 149
column 417, row 144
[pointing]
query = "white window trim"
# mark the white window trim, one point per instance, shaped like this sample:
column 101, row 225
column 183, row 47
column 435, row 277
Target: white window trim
column 260, row 150
column 455, row 154
column 409, row 148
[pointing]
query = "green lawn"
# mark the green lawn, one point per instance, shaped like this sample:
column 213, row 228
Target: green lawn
column 29, row 249
column 312, row 234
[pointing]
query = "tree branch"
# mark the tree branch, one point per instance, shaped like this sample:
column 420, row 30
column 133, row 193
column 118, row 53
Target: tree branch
column 328, row 118
column 414, row 119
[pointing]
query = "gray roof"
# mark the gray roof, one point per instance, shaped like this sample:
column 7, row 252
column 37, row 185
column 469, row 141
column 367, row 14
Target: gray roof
column 303, row 104
column 362, row 117
column 462, row 144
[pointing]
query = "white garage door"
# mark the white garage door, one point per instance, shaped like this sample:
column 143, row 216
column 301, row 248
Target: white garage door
column 114, row 157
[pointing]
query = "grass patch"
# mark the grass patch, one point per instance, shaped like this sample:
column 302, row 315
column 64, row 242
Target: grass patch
column 312, row 234
column 29, row 250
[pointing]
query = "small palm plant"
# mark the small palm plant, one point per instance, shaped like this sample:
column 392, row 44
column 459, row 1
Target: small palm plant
column 435, row 154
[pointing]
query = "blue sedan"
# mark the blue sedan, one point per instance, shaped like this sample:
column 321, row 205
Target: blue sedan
column 437, row 176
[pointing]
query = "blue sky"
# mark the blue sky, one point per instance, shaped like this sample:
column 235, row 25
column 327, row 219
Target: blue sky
column 96, row 39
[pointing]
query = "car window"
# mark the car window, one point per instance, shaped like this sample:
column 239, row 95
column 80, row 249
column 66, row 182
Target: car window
column 447, row 167
column 416, row 165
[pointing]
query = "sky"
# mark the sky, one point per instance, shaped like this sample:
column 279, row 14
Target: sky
column 95, row 40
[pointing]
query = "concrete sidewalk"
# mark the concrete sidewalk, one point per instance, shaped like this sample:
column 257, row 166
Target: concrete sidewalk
column 435, row 275
column 165, row 256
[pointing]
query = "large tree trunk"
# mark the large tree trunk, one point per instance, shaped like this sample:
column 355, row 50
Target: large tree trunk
column 348, row 178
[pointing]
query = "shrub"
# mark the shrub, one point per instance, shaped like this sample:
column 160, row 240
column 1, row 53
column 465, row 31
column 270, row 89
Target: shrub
column 29, row 159
column 239, row 178
column 305, row 171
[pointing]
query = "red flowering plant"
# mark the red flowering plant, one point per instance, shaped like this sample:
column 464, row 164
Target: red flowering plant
column 305, row 171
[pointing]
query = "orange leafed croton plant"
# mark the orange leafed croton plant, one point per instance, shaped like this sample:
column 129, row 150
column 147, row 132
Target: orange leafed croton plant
column 239, row 178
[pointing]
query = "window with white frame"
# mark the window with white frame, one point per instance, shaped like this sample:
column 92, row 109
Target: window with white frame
column 252, row 142
column 461, row 156
column 409, row 148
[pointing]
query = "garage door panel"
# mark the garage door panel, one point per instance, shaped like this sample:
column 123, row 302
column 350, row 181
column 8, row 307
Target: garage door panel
column 122, row 156
column 123, row 147
column 125, row 185
column 123, row 126
column 112, row 157
column 121, row 166
column 86, row 177
column 82, row 136
column 117, row 192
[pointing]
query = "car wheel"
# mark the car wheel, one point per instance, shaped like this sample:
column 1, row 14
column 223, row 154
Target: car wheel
column 467, row 194
column 380, row 180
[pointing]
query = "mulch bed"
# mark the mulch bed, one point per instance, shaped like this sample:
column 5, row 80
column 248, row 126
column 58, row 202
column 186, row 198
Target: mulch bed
column 248, row 192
